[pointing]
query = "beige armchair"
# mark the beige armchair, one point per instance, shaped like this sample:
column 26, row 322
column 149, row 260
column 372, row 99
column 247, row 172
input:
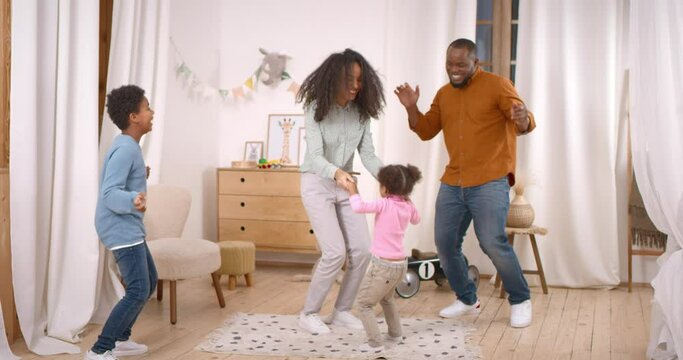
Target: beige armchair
column 176, row 258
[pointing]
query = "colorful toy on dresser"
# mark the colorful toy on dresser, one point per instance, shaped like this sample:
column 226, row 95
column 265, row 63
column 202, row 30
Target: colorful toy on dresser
column 269, row 164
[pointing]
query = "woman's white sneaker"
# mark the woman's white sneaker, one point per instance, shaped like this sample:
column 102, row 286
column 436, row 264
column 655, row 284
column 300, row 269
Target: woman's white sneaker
column 367, row 348
column 459, row 308
column 396, row 340
column 520, row 314
column 312, row 324
column 344, row 319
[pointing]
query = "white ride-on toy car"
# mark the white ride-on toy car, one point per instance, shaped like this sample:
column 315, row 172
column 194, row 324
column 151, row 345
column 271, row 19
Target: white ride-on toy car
column 423, row 266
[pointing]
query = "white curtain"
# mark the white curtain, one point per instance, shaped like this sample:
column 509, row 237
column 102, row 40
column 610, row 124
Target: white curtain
column 139, row 56
column 656, row 133
column 53, row 169
column 418, row 34
column 5, row 351
column 568, row 73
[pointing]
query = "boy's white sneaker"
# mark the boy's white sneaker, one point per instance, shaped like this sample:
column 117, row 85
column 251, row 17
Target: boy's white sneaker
column 107, row 355
column 366, row 348
column 129, row 348
column 312, row 324
column 459, row 308
column 344, row 319
column 520, row 314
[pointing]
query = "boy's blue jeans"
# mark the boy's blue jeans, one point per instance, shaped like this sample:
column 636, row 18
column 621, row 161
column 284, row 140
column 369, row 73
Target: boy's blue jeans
column 140, row 278
column 487, row 205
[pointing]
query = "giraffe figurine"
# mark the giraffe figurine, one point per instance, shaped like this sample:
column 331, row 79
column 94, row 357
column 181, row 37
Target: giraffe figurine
column 287, row 124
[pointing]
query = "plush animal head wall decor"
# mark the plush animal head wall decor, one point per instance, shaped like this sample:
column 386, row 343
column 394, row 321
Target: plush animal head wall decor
column 272, row 69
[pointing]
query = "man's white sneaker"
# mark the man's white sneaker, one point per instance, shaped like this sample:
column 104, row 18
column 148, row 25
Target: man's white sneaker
column 344, row 319
column 107, row 355
column 459, row 308
column 520, row 314
column 129, row 348
column 312, row 324
column 366, row 348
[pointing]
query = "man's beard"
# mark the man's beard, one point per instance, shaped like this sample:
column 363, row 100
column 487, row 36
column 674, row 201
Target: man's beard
column 463, row 83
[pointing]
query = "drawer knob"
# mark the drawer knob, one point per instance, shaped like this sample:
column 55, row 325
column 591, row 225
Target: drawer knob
column 242, row 204
column 310, row 231
column 242, row 228
column 241, row 179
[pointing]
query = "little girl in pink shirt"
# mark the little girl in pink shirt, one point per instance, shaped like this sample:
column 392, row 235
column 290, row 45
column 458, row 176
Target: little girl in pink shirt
column 388, row 266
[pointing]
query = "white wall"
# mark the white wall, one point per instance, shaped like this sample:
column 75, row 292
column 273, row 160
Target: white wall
column 219, row 41
column 192, row 131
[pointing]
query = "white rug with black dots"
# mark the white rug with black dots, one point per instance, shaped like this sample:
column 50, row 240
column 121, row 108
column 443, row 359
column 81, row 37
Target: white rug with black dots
column 279, row 335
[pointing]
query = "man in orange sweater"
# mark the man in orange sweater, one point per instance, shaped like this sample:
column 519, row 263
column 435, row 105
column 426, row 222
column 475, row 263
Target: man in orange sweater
column 481, row 116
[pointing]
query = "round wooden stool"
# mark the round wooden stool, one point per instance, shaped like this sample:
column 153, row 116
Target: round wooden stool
column 237, row 258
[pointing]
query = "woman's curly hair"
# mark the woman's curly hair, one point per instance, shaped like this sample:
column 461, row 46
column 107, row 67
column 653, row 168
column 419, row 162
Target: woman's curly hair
column 322, row 86
column 122, row 102
column 399, row 179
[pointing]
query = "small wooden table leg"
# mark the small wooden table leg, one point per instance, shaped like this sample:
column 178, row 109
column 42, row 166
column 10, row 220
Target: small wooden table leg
column 174, row 312
column 216, row 277
column 248, row 279
column 232, row 282
column 499, row 283
column 538, row 263
column 160, row 290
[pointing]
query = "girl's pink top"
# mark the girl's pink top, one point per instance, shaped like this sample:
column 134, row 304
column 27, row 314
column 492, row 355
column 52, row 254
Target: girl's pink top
column 393, row 213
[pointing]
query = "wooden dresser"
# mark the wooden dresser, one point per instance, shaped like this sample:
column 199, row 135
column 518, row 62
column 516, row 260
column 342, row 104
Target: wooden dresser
column 264, row 206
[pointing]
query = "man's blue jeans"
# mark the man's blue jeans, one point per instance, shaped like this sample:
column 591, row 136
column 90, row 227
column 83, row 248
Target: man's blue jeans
column 140, row 278
column 487, row 205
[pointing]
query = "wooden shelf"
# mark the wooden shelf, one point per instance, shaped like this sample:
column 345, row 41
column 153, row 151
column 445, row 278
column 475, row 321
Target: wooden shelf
column 647, row 252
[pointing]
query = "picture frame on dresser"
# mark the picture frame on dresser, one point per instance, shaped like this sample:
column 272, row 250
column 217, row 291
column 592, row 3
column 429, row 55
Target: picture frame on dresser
column 283, row 138
column 253, row 150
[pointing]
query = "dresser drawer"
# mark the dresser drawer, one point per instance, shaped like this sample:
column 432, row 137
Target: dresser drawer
column 269, row 182
column 270, row 235
column 261, row 208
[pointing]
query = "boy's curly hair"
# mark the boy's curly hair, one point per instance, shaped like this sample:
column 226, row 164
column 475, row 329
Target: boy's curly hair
column 122, row 102
column 322, row 86
column 399, row 179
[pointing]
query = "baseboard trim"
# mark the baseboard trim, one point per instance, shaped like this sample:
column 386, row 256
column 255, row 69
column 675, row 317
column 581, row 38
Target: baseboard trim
column 282, row 263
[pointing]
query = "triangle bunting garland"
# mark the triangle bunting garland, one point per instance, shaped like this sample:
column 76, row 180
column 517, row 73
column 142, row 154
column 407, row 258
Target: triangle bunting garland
column 208, row 92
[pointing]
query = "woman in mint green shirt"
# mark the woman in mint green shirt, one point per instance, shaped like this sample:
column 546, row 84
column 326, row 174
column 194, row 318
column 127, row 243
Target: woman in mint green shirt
column 340, row 97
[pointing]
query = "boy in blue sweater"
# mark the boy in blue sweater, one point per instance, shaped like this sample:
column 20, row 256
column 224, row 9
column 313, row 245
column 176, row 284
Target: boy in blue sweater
column 118, row 219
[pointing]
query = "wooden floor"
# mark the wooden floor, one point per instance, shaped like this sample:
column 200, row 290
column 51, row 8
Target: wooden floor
column 568, row 323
